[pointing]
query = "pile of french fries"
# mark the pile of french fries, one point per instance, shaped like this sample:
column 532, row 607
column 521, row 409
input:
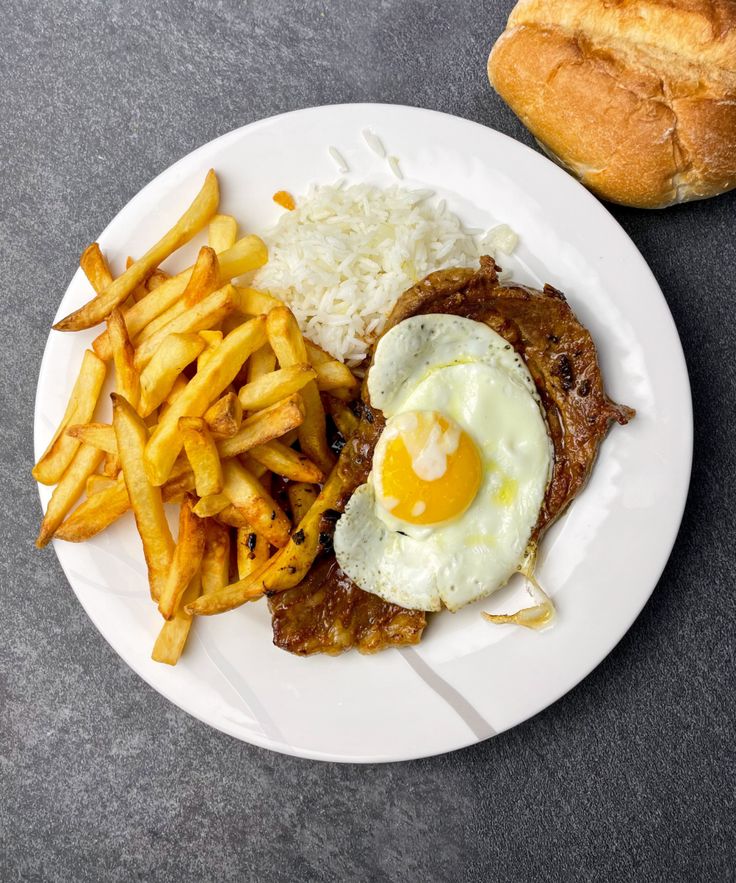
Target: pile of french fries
column 217, row 397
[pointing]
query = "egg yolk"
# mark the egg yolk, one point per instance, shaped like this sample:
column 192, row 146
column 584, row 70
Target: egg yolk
column 428, row 470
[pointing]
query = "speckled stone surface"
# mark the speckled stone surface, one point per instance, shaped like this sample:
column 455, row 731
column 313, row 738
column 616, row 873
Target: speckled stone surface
column 629, row 777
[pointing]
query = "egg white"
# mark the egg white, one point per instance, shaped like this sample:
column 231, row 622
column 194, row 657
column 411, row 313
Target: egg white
column 464, row 370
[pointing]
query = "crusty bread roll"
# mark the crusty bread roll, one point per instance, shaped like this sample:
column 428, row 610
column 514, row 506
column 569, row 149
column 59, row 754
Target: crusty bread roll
column 636, row 97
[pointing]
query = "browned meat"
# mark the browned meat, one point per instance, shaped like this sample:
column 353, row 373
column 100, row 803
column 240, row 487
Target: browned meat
column 558, row 351
column 326, row 612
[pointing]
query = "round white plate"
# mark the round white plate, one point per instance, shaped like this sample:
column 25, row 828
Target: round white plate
column 468, row 679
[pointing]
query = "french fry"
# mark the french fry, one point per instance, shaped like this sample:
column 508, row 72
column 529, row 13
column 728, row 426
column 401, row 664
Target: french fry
column 170, row 359
column 202, row 454
column 145, row 499
column 97, row 483
column 186, row 560
column 344, row 419
column 263, row 361
column 156, row 279
column 139, row 292
column 105, row 506
column 212, row 340
column 234, row 595
column 256, row 303
column 206, row 385
column 191, row 222
column 82, row 402
column 174, row 632
column 111, row 465
column 286, row 461
column 315, row 354
column 203, row 315
column 210, row 505
column 334, row 375
column 255, row 468
column 261, row 512
column 222, row 233
column 216, row 558
column 204, row 280
column 95, row 268
column 180, row 384
column 225, row 416
column 99, row 435
column 261, row 427
column 269, row 388
column 252, row 553
column 287, row 342
column 301, row 496
column 68, row 490
column 96, row 513
column 248, row 253
column 127, row 380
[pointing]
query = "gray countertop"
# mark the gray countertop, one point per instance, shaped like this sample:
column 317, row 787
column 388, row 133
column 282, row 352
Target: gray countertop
column 629, row 777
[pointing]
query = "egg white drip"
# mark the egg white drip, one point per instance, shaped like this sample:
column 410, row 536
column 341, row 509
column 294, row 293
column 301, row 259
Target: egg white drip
column 466, row 371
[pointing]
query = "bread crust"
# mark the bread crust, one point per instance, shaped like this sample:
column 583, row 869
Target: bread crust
column 636, row 97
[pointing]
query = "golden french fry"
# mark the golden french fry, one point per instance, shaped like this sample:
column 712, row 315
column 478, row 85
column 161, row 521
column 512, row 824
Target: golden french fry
column 99, row 435
column 233, row 595
column 316, row 355
column 225, row 416
column 96, row 513
column 203, row 315
column 255, row 468
column 344, row 419
column 156, row 279
column 68, row 490
column 139, row 292
column 216, row 557
column 95, row 268
column 160, row 374
column 286, row 461
column 186, row 559
column 301, row 496
column 204, row 280
column 174, row 632
column 261, row 512
column 202, row 389
column 263, row 361
column 269, row 388
column 202, row 454
column 97, row 483
column 191, row 222
column 205, row 277
column 105, row 506
column 222, row 232
column 82, row 402
column 127, row 380
column 248, row 253
column 145, row 499
column 255, row 303
column 263, row 426
column 287, row 342
column 252, row 553
column 212, row 340
column 111, row 465
column 335, row 375
column 210, row 505
column 180, row 384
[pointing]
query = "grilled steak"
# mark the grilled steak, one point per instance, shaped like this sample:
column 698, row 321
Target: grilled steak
column 327, row 612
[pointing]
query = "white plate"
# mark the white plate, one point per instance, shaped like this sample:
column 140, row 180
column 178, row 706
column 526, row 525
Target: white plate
column 468, row 679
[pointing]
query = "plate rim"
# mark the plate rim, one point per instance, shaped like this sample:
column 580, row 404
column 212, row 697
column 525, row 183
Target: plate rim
column 685, row 428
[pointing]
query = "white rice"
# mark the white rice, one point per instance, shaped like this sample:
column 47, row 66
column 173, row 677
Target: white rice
column 375, row 143
column 339, row 160
column 345, row 254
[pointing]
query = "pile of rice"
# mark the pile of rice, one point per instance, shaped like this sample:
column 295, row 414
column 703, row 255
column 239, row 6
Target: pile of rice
column 345, row 254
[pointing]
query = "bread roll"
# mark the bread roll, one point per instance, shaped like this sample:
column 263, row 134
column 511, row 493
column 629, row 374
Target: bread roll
column 637, row 98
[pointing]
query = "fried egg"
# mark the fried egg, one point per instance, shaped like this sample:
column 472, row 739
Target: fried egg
column 459, row 473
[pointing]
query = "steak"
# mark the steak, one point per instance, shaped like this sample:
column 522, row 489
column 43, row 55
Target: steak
column 327, row 612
